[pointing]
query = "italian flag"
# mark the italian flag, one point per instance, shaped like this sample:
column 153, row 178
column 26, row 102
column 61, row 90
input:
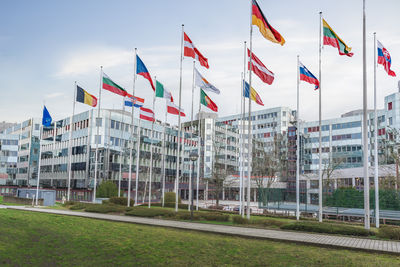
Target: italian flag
column 162, row 92
column 206, row 101
column 111, row 86
column 332, row 39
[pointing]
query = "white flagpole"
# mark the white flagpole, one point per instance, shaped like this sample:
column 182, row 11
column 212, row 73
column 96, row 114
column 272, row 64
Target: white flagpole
column 320, row 133
column 243, row 130
column 163, row 157
column 241, row 144
column 131, row 137
column 365, row 129
column 121, row 148
column 137, row 163
column 39, row 163
column 97, row 136
column 70, row 143
column 151, row 146
column 298, row 145
column 198, row 152
column 179, row 129
column 191, row 139
column 376, row 159
column 249, row 126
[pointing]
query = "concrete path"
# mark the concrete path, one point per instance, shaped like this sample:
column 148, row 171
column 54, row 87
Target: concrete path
column 300, row 237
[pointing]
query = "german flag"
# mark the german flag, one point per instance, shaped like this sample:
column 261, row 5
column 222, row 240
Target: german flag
column 266, row 29
column 84, row 97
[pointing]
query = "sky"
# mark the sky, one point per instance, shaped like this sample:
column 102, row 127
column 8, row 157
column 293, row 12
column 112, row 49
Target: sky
column 45, row 46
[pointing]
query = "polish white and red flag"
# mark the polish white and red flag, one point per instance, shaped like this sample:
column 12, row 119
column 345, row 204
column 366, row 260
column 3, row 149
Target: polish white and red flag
column 146, row 114
column 174, row 109
column 259, row 69
column 191, row 51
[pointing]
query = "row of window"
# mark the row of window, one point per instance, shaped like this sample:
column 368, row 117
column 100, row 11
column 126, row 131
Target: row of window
column 346, row 148
column 346, row 136
column 268, row 115
column 6, row 142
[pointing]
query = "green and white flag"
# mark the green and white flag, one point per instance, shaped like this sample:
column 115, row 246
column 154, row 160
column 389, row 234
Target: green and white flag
column 162, row 92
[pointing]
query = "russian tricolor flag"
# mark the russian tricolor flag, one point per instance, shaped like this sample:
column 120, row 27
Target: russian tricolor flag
column 142, row 70
column 307, row 76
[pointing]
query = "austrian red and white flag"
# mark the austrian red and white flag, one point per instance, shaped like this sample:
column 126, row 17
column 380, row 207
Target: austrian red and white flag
column 174, row 109
column 259, row 69
column 191, row 51
column 146, row 114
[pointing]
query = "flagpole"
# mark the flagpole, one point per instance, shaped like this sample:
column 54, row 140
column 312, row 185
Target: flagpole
column 298, row 145
column 198, row 151
column 39, row 163
column 319, row 127
column 243, row 129
column 179, row 128
column 191, row 138
column 97, row 135
column 69, row 144
column 241, row 144
column 376, row 159
column 163, row 157
column 151, row 145
column 121, row 148
column 131, row 139
column 137, row 162
column 365, row 133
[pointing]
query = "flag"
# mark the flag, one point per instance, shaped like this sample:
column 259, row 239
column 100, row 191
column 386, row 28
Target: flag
column 174, row 109
column 191, row 51
column 254, row 95
column 46, row 119
column 142, row 70
column 259, row 69
column 162, row 92
column 204, row 84
column 146, row 114
column 84, row 97
column 206, row 101
column 385, row 59
column 307, row 76
column 136, row 101
column 258, row 19
column 332, row 39
column 111, row 86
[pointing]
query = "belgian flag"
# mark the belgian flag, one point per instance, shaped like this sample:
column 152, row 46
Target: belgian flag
column 84, row 97
column 265, row 28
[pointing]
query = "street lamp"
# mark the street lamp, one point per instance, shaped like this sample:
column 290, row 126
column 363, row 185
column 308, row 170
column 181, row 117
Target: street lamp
column 193, row 157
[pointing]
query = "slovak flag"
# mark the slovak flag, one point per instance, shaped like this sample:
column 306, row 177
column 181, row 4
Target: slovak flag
column 146, row 114
column 136, row 101
column 385, row 59
column 307, row 76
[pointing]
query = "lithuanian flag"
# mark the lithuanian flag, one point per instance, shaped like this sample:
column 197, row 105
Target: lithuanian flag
column 265, row 28
column 84, row 97
column 332, row 39
column 206, row 101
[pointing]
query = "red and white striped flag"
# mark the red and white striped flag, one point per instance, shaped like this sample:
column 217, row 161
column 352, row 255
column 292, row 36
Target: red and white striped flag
column 259, row 69
column 174, row 109
column 146, row 114
column 191, row 51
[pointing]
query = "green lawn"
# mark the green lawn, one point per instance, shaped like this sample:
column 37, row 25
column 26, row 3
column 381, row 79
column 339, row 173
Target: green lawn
column 36, row 239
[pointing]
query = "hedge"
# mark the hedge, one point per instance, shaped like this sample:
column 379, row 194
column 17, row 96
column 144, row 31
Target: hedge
column 391, row 232
column 153, row 212
column 212, row 216
column 185, row 215
column 78, row 206
column 326, row 228
column 121, row 201
column 240, row 220
column 101, row 208
column 170, row 197
column 268, row 222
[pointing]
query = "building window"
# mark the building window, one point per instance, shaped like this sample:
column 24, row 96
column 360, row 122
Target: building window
column 98, row 122
column 97, row 139
column 208, row 148
column 208, row 159
column 390, row 121
column 208, row 126
column 390, row 106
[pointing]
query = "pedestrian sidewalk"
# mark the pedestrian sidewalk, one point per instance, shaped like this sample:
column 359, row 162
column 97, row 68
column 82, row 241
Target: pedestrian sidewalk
column 299, row 237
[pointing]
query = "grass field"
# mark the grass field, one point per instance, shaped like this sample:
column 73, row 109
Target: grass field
column 35, row 239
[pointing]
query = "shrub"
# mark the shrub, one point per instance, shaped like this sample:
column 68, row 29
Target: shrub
column 326, row 228
column 185, row 215
column 211, row 216
column 391, row 232
column 172, row 205
column 69, row 203
column 107, row 189
column 240, row 220
column 152, row 212
column 100, row 208
column 267, row 222
column 78, row 206
column 215, row 207
column 170, row 197
column 121, row 201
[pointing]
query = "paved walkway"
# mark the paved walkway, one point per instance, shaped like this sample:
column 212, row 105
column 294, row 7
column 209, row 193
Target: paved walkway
column 307, row 238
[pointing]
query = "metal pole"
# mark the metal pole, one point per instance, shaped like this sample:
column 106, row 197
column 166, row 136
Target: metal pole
column 198, row 152
column 131, row 137
column 121, row 149
column 163, row 159
column 191, row 136
column 179, row 128
column 69, row 144
column 97, row 136
column 249, row 126
column 191, row 205
column 298, row 145
column 151, row 147
column 365, row 129
column 243, row 130
column 39, row 163
column 376, row 159
column 320, row 133
column 137, row 163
